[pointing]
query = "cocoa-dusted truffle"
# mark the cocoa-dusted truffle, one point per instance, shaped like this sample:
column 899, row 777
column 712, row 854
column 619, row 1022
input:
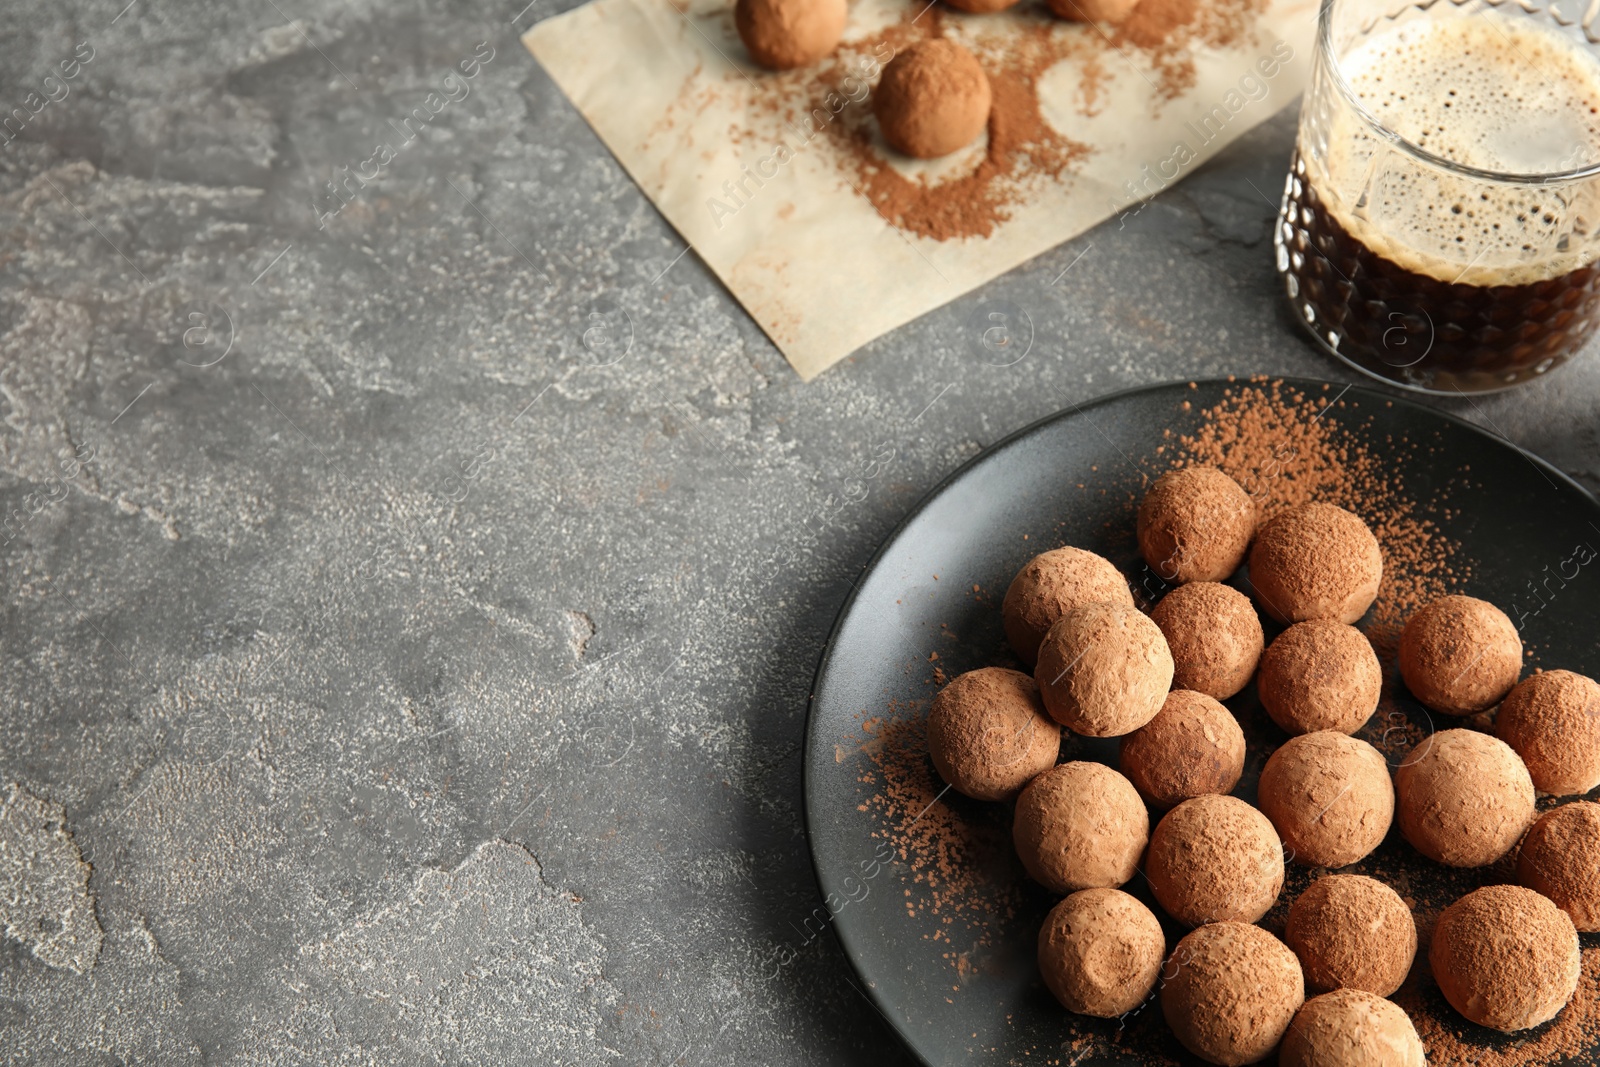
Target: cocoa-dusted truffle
column 1505, row 957
column 1463, row 798
column 1214, row 636
column 1316, row 561
column 1229, row 992
column 785, row 34
column 1328, row 794
column 1352, row 1028
column 1552, row 720
column 1213, row 859
column 989, row 735
column 1051, row 584
column 933, row 99
column 1100, row 952
column 1104, row 670
column 1560, row 858
column 1094, row 11
column 1460, row 655
column 1320, row 675
column 1080, row 826
column 1194, row 524
column 1192, row 747
column 1352, row 932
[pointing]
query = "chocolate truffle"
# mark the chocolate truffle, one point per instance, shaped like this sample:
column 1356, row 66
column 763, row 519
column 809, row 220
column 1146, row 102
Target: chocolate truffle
column 989, row 735
column 1460, row 655
column 1320, row 675
column 933, row 99
column 1194, row 524
column 1316, row 561
column 1352, row 932
column 1552, row 720
column 1104, row 670
column 1463, row 798
column 1214, row 636
column 1050, row 585
column 1080, row 826
column 1229, row 992
column 1094, row 11
column 1351, row 1028
column 1192, row 747
column 1100, row 952
column 1505, row 957
column 1560, row 858
column 1215, row 859
column 1329, row 797
column 785, row 34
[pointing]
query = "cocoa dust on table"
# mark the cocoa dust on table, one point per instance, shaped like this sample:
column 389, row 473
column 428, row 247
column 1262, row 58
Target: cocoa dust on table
column 1024, row 152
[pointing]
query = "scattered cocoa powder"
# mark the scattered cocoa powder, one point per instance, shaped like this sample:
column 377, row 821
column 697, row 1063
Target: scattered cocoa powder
column 1272, row 439
column 1166, row 29
column 962, row 870
column 1093, row 10
column 1024, row 151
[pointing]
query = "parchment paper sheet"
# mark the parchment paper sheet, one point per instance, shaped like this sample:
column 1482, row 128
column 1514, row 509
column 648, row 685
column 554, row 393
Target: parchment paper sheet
column 673, row 94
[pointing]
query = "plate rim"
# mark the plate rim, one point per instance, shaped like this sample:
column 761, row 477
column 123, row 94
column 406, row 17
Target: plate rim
column 807, row 768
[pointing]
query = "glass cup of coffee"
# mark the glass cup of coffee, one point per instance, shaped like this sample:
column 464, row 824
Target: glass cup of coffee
column 1440, row 223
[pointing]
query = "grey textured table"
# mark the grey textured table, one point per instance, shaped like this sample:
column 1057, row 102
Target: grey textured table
column 408, row 622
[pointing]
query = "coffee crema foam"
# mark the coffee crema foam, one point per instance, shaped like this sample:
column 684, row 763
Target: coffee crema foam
column 1487, row 91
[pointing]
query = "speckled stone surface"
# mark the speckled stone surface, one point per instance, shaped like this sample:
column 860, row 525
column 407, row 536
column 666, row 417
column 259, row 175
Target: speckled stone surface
column 408, row 620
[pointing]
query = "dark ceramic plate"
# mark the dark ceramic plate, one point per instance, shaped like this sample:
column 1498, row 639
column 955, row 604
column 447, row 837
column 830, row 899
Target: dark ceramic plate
column 926, row 898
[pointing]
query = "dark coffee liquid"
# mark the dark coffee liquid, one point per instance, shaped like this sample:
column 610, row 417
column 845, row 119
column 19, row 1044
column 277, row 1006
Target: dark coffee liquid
column 1417, row 329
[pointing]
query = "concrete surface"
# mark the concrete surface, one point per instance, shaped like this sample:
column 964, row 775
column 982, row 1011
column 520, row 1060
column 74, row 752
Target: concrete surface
column 422, row 678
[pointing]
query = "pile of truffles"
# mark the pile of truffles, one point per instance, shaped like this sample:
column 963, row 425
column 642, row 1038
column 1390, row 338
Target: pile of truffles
column 933, row 97
column 1505, row 956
